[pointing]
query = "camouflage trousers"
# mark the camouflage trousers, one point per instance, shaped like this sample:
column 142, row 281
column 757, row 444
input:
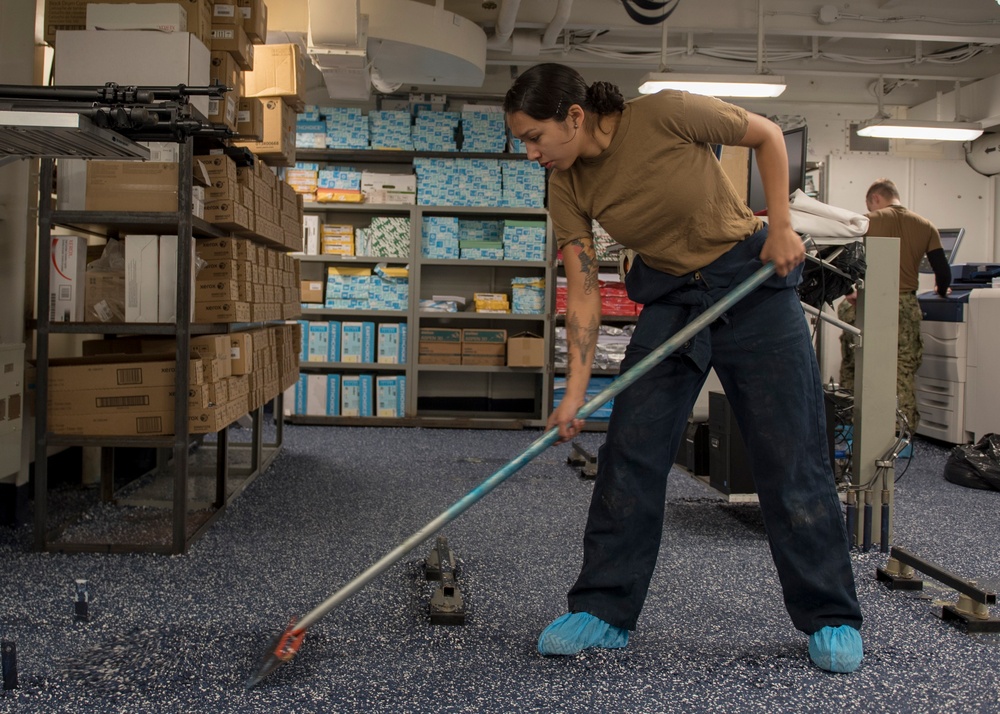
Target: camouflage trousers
column 910, row 350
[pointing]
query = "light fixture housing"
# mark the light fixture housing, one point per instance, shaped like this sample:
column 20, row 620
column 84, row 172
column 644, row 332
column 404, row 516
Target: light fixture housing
column 715, row 85
column 885, row 127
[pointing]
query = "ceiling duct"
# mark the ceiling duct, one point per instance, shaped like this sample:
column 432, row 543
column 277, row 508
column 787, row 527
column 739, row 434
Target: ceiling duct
column 400, row 41
column 337, row 45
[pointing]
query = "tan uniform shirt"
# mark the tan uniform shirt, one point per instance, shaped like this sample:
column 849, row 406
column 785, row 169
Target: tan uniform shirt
column 917, row 237
column 658, row 188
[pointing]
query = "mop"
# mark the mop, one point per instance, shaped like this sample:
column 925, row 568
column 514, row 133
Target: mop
column 286, row 645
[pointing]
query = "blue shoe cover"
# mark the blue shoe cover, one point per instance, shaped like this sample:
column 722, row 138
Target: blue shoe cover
column 836, row 649
column 577, row 631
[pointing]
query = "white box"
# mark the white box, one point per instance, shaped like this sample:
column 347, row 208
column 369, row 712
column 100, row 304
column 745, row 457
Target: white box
column 142, row 278
column 133, row 57
column 310, row 235
column 316, row 394
column 11, row 411
column 167, row 301
column 67, row 271
column 164, row 17
column 389, row 188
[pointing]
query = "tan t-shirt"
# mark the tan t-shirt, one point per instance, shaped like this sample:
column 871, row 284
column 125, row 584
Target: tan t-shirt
column 658, row 188
column 917, row 237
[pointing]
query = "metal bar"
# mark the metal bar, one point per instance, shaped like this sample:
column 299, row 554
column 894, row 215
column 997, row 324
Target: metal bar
column 831, row 319
column 42, row 353
column 539, row 445
column 107, row 473
column 221, row 467
column 986, row 597
column 279, row 420
column 185, row 247
column 256, row 448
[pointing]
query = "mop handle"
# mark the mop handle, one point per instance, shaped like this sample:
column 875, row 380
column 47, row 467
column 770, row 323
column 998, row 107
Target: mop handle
column 539, row 445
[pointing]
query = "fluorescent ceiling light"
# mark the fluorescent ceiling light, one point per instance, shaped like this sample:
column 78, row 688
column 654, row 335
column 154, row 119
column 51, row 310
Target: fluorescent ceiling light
column 886, row 128
column 715, row 85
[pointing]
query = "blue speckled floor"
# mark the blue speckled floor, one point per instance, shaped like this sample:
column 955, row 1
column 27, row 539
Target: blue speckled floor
column 182, row 634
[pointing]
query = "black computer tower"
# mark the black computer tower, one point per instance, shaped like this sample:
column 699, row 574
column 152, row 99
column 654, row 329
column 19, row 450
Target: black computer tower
column 728, row 465
column 694, row 448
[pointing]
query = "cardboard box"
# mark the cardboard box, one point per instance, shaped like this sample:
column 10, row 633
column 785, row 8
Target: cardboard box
column 142, row 278
column 480, row 335
column 233, row 39
column 104, row 297
column 72, row 15
column 224, row 249
column 67, row 270
column 123, row 371
column 241, row 354
column 439, row 359
column 484, row 349
column 525, row 350
column 163, row 17
column 131, row 186
column 278, row 143
column 440, row 348
column 254, row 14
column 312, row 291
column 217, row 166
column 225, row 12
column 222, row 311
column 133, row 57
column 227, row 214
column 125, row 399
column 200, row 421
column 389, row 188
column 250, row 119
column 223, row 111
column 279, row 71
column 483, row 360
column 439, row 334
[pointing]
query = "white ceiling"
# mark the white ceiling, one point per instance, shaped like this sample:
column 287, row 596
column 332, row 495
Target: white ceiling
column 828, row 52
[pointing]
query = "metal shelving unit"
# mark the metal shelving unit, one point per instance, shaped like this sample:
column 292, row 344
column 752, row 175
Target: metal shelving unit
column 173, row 451
column 484, row 272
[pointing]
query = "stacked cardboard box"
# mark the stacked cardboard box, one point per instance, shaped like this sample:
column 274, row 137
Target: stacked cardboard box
column 250, row 201
column 484, row 347
column 439, row 346
column 242, row 281
column 278, row 78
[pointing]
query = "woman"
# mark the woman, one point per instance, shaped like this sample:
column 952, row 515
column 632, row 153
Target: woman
column 646, row 171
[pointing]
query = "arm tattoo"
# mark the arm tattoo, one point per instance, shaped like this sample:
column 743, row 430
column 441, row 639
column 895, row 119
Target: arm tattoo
column 588, row 265
column 582, row 337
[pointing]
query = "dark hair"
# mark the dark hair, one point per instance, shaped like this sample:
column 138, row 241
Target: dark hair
column 547, row 91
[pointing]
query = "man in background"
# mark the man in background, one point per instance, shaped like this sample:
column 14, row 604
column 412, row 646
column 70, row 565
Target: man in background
column 917, row 237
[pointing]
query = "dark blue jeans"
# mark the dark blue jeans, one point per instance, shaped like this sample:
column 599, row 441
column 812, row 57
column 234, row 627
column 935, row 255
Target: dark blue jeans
column 762, row 353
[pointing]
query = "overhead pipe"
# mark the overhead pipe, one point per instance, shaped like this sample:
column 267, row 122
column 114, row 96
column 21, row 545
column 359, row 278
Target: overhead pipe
column 559, row 20
column 506, row 20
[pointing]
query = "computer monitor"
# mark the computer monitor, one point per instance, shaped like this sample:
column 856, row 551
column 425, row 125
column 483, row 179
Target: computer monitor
column 796, row 146
column 950, row 240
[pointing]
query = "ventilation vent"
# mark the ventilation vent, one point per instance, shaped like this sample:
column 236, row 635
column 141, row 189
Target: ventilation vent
column 868, row 144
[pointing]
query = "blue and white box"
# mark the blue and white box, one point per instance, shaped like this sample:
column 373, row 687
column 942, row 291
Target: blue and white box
column 401, row 395
column 367, row 395
column 319, row 342
column 304, row 346
column 351, row 341
column 387, row 396
column 350, row 395
column 388, row 343
column 333, row 395
column 301, row 391
column 334, row 353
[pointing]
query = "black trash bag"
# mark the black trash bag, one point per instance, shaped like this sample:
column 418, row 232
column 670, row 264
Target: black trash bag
column 976, row 465
column 820, row 285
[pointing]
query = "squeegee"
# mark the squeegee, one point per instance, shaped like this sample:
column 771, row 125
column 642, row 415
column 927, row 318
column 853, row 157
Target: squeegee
column 286, row 645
